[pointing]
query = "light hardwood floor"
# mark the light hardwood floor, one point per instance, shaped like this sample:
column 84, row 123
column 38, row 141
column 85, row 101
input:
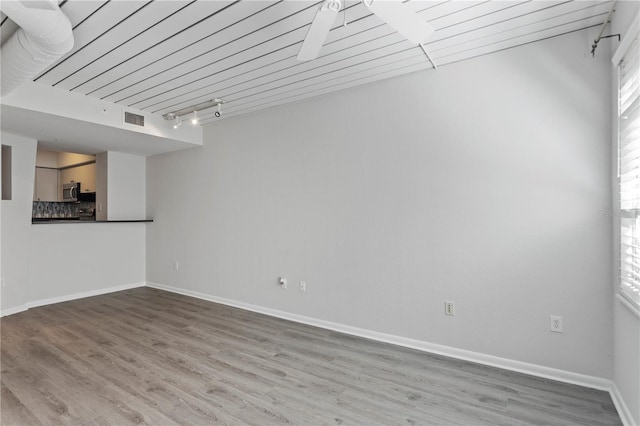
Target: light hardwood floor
column 151, row 357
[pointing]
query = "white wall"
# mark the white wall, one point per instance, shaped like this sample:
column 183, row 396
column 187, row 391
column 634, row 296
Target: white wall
column 126, row 186
column 16, row 223
column 626, row 325
column 485, row 182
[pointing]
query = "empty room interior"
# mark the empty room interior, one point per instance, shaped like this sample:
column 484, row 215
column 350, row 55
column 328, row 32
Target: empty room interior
column 320, row 212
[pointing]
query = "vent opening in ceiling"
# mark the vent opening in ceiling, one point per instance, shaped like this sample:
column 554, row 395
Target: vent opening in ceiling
column 135, row 119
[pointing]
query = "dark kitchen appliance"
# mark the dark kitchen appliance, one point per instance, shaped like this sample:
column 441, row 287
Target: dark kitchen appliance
column 87, row 196
column 87, row 214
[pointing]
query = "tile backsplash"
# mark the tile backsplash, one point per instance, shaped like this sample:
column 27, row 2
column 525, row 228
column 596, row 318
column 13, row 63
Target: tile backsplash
column 46, row 209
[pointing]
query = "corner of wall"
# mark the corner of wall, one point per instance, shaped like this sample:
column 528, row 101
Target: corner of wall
column 102, row 189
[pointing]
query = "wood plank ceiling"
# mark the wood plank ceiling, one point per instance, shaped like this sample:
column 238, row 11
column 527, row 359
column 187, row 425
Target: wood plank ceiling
column 169, row 56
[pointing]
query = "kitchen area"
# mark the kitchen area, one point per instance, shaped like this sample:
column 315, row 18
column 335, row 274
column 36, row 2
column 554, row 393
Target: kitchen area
column 65, row 187
column 104, row 254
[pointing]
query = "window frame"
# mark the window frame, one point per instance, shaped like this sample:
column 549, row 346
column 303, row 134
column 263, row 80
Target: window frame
column 629, row 218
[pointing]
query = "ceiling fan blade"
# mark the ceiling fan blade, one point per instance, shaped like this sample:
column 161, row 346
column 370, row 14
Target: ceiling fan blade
column 318, row 31
column 402, row 19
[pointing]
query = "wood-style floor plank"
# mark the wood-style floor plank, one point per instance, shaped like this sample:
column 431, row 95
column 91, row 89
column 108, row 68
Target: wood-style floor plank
column 146, row 356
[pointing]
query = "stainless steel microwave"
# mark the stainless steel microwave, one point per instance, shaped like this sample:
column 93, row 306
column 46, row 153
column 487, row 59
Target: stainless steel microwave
column 70, row 191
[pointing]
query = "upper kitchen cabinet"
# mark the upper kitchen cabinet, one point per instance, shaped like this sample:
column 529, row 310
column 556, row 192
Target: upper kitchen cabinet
column 46, row 184
column 85, row 174
column 47, row 176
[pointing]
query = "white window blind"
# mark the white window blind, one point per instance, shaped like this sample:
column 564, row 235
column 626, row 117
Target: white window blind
column 629, row 166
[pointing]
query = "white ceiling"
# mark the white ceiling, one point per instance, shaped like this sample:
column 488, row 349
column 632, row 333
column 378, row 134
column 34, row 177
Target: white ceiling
column 58, row 133
column 167, row 56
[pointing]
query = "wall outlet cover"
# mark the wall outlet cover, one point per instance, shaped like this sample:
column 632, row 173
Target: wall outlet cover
column 448, row 309
column 555, row 324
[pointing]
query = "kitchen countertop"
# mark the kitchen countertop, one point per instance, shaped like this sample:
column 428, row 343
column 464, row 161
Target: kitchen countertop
column 49, row 219
column 56, row 220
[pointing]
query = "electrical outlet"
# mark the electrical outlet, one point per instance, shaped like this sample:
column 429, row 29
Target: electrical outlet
column 303, row 286
column 448, row 308
column 176, row 265
column 283, row 282
column 555, row 324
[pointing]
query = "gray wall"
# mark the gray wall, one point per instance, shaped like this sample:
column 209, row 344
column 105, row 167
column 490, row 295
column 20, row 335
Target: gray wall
column 74, row 259
column 16, row 222
column 485, row 182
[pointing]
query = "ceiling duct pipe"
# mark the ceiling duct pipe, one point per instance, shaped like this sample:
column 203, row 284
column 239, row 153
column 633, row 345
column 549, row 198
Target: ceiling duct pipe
column 45, row 34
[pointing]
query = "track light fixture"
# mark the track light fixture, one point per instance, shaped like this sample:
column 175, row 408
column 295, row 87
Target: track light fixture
column 195, row 113
column 177, row 122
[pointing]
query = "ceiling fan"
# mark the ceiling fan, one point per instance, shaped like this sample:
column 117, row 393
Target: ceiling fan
column 393, row 12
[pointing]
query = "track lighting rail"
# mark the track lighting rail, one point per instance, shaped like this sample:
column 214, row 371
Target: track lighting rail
column 195, row 112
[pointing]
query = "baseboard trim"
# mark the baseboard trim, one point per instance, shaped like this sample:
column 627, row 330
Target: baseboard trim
column 480, row 358
column 69, row 297
column 621, row 406
column 81, row 295
column 14, row 310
